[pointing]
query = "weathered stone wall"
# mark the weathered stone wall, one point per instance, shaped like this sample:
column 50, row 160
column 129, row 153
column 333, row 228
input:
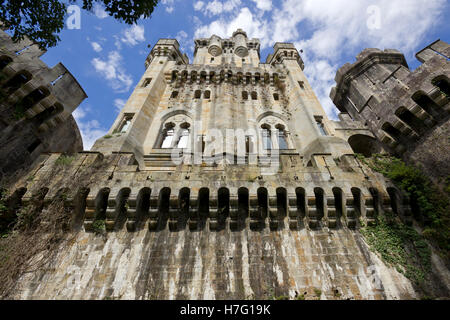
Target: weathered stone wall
column 217, row 265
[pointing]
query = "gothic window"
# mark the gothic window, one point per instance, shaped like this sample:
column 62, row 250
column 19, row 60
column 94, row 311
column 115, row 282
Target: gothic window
column 266, row 137
column 168, row 133
column 282, row 140
column 198, row 94
column 183, row 141
column 207, row 94
column 244, row 95
column 254, row 95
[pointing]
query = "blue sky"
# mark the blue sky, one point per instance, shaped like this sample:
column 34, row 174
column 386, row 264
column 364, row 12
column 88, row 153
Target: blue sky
column 107, row 57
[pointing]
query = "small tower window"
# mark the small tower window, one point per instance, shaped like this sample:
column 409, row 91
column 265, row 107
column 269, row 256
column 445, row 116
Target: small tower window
column 244, row 95
column 146, row 82
column 301, row 84
column 174, row 95
column 125, row 123
column 276, row 97
column 212, row 59
column 207, row 94
column 254, row 95
column 198, row 94
column 321, row 126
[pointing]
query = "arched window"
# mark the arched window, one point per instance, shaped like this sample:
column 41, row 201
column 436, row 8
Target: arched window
column 266, row 137
column 276, row 97
column 183, row 141
column 426, row 103
column 392, row 131
column 282, row 140
column 254, row 95
column 167, row 139
column 198, row 94
column 174, row 95
column 126, row 122
column 244, row 95
column 207, row 94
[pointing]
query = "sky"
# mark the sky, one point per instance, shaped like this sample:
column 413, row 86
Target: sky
column 107, row 57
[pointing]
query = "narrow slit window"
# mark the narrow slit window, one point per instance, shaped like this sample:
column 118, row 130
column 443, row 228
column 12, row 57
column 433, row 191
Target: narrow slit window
column 321, row 127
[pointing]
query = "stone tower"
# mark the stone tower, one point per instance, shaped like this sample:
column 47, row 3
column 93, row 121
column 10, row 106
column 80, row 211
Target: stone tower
column 220, row 179
column 36, row 105
column 408, row 111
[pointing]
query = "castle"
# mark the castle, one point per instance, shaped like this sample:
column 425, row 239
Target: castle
column 225, row 179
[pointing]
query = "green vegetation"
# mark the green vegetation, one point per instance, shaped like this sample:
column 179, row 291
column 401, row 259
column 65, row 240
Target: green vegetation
column 431, row 203
column 301, row 297
column 108, row 136
column 3, row 207
column 318, row 292
column 99, row 226
column 64, row 160
column 400, row 246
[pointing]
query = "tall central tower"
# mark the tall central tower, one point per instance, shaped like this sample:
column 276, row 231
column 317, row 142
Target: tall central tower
column 230, row 121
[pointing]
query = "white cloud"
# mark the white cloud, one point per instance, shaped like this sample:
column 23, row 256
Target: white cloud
column 255, row 27
column 90, row 130
column 198, row 5
column 335, row 29
column 217, row 7
column 133, row 35
column 119, row 104
column 264, row 5
column 112, row 70
column 169, row 4
column 99, row 11
column 96, row 46
column 337, row 32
